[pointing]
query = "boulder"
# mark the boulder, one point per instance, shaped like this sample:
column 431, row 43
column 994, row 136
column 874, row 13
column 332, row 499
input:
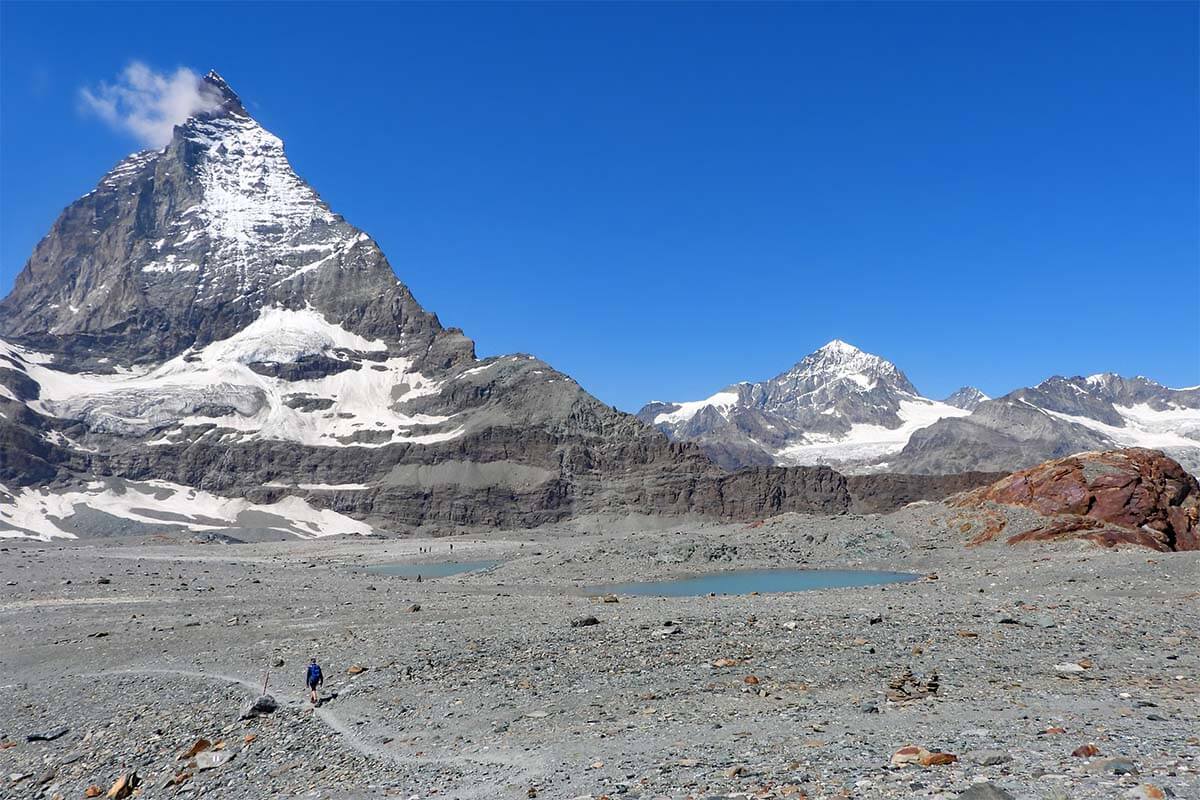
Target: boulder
column 260, row 706
column 985, row 791
column 123, row 787
column 919, row 756
column 199, row 747
column 1132, row 496
column 211, row 759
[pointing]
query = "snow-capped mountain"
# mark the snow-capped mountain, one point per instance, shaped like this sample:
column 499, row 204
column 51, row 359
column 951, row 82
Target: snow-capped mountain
column 200, row 343
column 858, row 412
column 838, row 405
column 967, row 398
column 1058, row 417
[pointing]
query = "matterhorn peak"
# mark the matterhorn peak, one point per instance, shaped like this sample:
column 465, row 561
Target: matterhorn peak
column 221, row 97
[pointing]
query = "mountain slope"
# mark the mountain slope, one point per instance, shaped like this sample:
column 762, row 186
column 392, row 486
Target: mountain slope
column 202, row 325
column 838, row 405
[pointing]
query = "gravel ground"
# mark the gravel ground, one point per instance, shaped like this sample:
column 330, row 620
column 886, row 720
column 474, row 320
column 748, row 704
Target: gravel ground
column 138, row 648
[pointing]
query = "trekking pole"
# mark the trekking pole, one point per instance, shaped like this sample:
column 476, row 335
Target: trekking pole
column 266, row 678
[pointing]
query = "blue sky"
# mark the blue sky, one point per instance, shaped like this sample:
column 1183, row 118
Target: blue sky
column 663, row 199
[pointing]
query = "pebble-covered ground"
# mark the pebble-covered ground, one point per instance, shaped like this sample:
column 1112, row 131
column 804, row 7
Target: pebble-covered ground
column 1053, row 671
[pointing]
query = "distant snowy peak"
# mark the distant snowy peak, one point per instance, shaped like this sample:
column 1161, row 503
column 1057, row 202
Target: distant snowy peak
column 840, row 363
column 839, row 404
column 967, row 398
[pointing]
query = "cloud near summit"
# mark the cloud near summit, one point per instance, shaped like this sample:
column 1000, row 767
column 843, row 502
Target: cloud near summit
column 148, row 104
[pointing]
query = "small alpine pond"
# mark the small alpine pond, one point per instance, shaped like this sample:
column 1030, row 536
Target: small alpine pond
column 757, row 580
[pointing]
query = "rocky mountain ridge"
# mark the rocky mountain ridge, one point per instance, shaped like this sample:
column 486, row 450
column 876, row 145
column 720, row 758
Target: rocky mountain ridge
column 1058, row 417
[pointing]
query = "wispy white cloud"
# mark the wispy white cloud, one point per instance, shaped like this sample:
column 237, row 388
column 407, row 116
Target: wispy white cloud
column 149, row 104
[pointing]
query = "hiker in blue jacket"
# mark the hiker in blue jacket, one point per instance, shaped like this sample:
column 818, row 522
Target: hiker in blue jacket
column 314, row 679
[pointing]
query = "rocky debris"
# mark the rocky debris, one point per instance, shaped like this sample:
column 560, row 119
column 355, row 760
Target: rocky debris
column 908, row 687
column 1131, row 496
column 584, row 622
column 355, row 669
column 495, row 692
column 260, row 706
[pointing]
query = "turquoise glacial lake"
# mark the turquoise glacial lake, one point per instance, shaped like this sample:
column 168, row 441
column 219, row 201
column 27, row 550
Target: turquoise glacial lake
column 765, row 581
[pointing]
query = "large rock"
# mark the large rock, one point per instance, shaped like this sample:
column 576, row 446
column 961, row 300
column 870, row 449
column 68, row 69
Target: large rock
column 1132, row 496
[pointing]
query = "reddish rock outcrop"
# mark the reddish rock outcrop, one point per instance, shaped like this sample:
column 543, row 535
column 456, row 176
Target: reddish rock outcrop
column 1132, row 496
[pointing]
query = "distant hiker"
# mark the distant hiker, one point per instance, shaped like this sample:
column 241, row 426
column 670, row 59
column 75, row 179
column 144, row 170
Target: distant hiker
column 313, row 679
column 418, row 577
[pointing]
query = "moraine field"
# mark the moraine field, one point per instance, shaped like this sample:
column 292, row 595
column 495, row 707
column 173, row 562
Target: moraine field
column 1062, row 671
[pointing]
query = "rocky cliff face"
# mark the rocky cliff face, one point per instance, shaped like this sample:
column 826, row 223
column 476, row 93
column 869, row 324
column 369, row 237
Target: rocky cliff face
column 202, row 333
column 838, row 405
column 1132, row 496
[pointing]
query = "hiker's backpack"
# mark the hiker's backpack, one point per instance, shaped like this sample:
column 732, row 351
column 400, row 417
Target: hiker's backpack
column 314, row 674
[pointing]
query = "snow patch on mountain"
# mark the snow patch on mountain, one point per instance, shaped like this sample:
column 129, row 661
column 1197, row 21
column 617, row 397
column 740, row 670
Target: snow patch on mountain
column 866, row 442
column 283, row 336
column 44, row 514
column 721, row 401
column 253, row 199
column 216, row 386
column 1146, row 427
